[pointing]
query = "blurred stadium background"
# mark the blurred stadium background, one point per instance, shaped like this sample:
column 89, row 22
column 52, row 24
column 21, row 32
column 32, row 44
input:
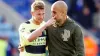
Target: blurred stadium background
column 14, row 12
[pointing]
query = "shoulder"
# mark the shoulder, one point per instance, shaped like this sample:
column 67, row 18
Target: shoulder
column 27, row 22
column 23, row 25
column 77, row 28
column 77, row 25
column 74, row 23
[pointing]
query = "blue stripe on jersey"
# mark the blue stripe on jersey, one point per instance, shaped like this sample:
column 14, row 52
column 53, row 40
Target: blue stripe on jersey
column 35, row 49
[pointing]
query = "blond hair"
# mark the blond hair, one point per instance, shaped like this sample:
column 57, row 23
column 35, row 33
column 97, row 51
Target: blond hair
column 37, row 5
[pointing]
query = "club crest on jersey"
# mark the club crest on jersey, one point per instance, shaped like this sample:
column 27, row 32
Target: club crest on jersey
column 22, row 30
column 66, row 35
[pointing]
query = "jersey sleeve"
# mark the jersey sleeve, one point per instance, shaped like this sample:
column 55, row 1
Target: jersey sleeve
column 79, row 41
column 23, row 33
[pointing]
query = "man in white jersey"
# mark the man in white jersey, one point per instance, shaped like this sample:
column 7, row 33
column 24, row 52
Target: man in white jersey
column 34, row 44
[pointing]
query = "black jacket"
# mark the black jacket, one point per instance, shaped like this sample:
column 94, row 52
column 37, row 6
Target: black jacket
column 66, row 40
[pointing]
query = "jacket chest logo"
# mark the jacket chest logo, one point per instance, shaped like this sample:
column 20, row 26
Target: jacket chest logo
column 65, row 35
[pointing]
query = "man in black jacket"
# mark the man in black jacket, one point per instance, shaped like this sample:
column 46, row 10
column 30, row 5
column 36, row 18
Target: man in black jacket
column 65, row 37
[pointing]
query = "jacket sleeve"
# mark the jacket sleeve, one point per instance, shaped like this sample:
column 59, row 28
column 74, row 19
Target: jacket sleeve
column 79, row 44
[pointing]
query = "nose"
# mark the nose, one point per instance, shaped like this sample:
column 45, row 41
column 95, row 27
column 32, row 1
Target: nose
column 52, row 15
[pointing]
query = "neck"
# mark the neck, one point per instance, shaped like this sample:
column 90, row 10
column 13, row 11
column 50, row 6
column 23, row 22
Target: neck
column 34, row 21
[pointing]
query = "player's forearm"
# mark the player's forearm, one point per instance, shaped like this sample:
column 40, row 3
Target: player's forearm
column 36, row 33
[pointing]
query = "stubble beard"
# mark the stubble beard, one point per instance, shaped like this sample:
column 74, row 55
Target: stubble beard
column 58, row 22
